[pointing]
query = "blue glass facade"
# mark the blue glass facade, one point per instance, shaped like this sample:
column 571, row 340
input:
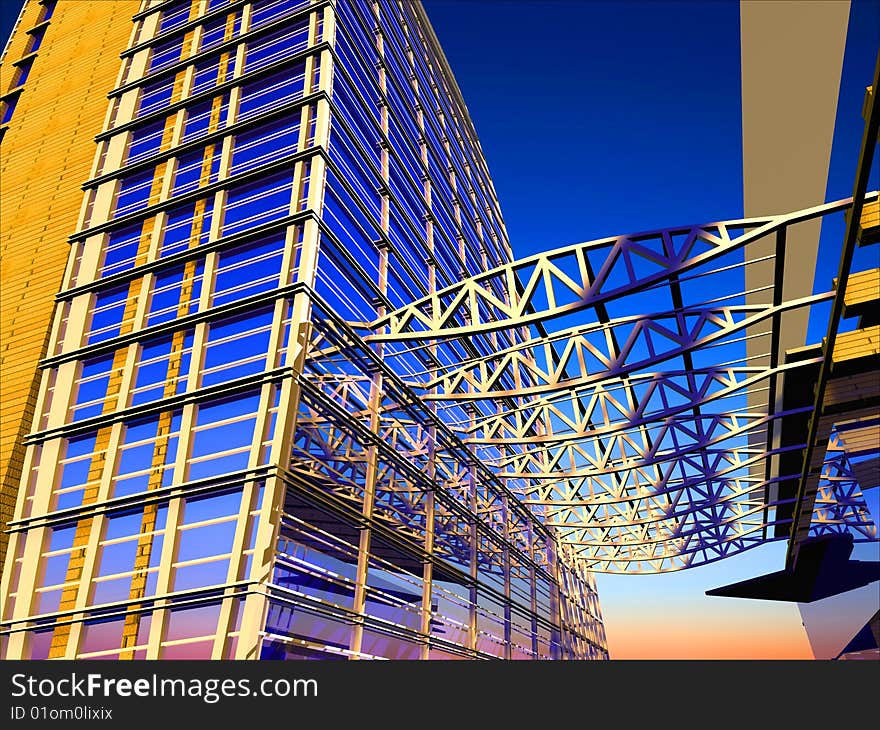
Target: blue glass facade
column 223, row 464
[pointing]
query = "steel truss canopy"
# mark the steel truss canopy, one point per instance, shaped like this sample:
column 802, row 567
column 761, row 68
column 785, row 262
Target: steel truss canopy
column 634, row 390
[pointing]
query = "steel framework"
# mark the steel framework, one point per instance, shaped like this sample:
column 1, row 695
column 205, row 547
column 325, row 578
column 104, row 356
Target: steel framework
column 297, row 399
column 646, row 440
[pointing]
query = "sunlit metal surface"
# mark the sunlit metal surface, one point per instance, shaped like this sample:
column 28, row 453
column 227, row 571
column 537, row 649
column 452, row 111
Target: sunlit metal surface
column 625, row 413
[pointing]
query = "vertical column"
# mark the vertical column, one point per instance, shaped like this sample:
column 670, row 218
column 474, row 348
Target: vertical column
column 298, row 266
column 431, row 266
column 427, row 570
column 508, row 628
column 376, row 378
column 533, row 590
column 475, row 553
column 555, row 608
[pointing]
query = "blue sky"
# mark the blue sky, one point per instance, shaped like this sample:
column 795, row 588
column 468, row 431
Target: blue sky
column 8, row 13
column 601, row 118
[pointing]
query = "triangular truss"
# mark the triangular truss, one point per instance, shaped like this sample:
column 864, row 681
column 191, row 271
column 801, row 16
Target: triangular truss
column 609, row 386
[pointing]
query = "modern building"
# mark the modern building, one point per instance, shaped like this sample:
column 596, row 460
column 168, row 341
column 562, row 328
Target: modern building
column 279, row 389
column 205, row 454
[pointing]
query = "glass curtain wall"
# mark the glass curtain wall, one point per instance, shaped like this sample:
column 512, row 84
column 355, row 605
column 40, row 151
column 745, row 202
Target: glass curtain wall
column 222, row 464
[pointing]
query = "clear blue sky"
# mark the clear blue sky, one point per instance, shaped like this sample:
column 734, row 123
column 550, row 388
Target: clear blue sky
column 8, row 13
column 601, row 118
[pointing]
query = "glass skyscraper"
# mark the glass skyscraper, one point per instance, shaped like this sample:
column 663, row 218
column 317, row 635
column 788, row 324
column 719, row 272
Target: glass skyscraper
column 217, row 460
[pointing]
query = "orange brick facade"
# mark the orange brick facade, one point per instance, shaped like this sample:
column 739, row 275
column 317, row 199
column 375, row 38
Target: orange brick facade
column 46, row 153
